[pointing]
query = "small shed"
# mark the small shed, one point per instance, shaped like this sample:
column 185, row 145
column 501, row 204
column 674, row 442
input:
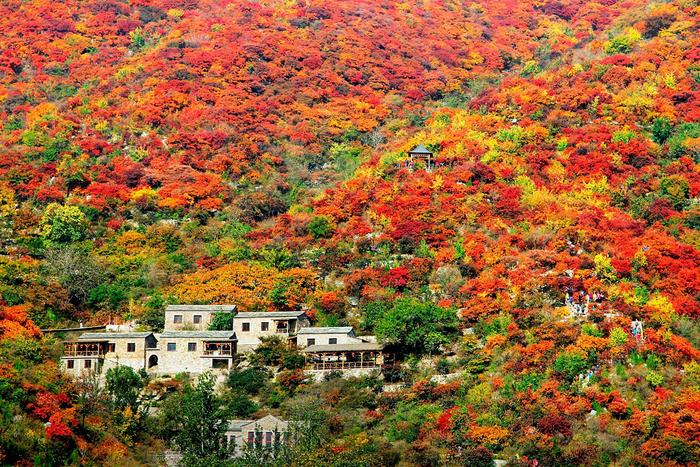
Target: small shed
column 420, row 152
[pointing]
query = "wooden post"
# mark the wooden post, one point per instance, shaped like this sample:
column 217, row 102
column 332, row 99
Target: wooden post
column 362, row 355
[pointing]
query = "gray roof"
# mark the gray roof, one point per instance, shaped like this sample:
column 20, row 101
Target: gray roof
column 326, row 330
column 195, row 308
column 103, row 336
column 420, row 149
column 269, row 314
column 204, row 335
column 354, row 347
column 237, row 425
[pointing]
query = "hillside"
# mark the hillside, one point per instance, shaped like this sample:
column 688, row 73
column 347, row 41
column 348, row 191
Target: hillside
column 178, row 151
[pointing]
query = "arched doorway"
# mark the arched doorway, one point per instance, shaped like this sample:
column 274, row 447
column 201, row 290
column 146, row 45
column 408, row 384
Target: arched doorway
column 152, row 361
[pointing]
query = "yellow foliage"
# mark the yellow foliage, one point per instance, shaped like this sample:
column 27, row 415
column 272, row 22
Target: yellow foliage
column 662, row 309
column 42, row 112
column 247, row 285
column 131, row 241
column 587, row 343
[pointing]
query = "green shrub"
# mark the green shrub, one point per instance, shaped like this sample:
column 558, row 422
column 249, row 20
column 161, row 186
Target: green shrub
column 570, row 365
column 247, row 381
column 320, row 227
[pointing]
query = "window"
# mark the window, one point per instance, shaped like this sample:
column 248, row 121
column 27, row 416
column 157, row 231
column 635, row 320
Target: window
column 191, row 346
column 172, row 346
column 111, row 347
column 245, row 327
column 264, row 326
column 310, row 341
column 70, row 364
column 268, row 438
column 131, row 347
column 332, row 340
column 88, row 363
column 196, row 319
column 259, row 438
column 251, row 438
column 177, row 319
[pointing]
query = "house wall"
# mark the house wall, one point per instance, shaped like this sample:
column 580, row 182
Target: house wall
column 323, row 339
column 248, row 340
column 181, row 360
column 79, row 369
column 120, row 356
column 240, row 438
column 187, row 320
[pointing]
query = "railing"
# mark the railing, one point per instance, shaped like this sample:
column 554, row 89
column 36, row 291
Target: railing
column 217, row 353
column 83, row 353
column 281, row 331
column 343, row 365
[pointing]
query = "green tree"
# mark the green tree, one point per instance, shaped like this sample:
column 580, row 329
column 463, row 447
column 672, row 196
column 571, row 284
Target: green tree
column 240, row 406
column 420, row 327
column 661, row 130
column 221, row 322
column 124, row 386
column 63, row 224
column 248, row 380
column 203, row 422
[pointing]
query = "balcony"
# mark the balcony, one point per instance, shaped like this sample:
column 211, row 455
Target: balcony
column 342, row 365
column 83, row 353
column 217, row 353
column 218, row 349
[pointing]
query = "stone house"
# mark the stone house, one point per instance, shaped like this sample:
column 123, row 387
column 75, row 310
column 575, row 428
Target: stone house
column 192, row 352
column 100, row 351
column 193, row 317
column 251, row 326
column 265, row 433
column 171, row 352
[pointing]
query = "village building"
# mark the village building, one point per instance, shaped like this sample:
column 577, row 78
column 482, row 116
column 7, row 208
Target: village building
column 193, row 317
column 266, row 432
column 192, row 352
column 196, row 351
column 251, row 326
column 100, row 351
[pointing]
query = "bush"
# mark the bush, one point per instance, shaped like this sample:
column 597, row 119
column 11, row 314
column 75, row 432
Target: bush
column 443, row 366
column 63, row 224
column 570, row 365
column 247, row 381
column 320, row 227
column 241, row 406
column 661, row 130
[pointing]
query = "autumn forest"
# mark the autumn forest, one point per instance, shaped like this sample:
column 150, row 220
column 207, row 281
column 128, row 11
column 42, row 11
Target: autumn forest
column 538, row 279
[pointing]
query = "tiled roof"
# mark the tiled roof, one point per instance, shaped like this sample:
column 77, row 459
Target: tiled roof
column 269, row 314
column 103, row 336
column 354, row 347
column 420, row 149
column 205, row 335
column 237, row 425
column 326, row 330
column 194, row 308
